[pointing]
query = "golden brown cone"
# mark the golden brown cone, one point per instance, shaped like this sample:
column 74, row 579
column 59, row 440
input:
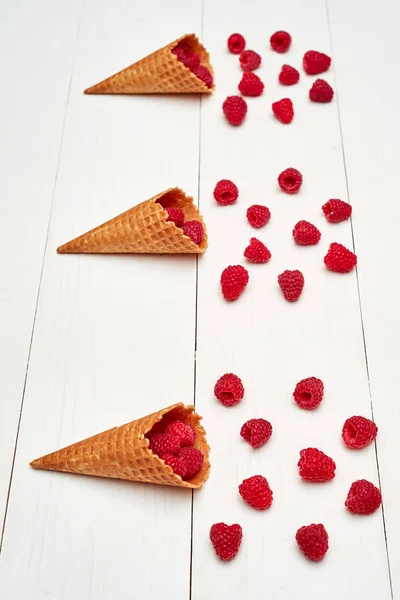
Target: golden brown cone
column 158, row 73
column 123, row 452
column 143, row 229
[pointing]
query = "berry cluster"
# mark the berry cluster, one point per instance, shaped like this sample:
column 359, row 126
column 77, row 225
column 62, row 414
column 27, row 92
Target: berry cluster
column 193, row 229
column 184, row 53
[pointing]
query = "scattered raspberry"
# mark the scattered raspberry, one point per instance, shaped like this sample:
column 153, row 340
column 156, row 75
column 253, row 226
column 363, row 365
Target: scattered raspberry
column 321, row 91
column 236, row 43
column 306, row 234
column 204, row 74
column 257, row 432
column 178, row 464
column 315, row 62
column 290, row 180
column 337, row 210
column 226, row 192
column 235, row 109
column 233, row 281
column 358, row 432
column 175, row 215
column 229, row 389
column 251, row 85
column 191, row 60
column 288, row 75
column 257, row 252
column 363, row 497
column 226, row 540
column 179, row 53
column 291, row 284
column 164, row 443
column 258, row 215
column 340, row 259
column 194, row 230
column 283, row 110
column 256, row 492
column 184, row 432
column 313, row 541
column 249, row 60
column 280, row 41
column 316, row 466
column 193, row 460
column 309, row 392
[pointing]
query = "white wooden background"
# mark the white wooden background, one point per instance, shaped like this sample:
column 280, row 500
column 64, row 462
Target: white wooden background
column 90, row 342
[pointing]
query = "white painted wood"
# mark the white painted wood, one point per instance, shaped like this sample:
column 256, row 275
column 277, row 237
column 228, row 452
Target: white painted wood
column 272, row 344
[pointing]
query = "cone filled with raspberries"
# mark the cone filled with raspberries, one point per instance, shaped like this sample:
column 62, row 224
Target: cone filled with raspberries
column 168, row 223
column 168, row 447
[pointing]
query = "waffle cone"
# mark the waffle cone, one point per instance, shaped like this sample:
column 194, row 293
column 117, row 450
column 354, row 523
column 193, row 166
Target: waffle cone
column 123, row 452
column 158, row 73
column 143, row 229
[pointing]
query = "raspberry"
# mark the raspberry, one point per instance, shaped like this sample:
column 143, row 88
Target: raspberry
column 226, row 540
column 315, row 62
column 321, row 91
column 313, row 541
column 236, row 43
column 191, row 60
column 175, row 215
column 257, row 252
column 316, row 466
column 164, row 443
column 306, row 234
column 258, row 215
column 280, row 41
column 249, row 60
column 363, row 497
column 358, row 432
column 340, row 259
column 291, row 284
column 235, row 109
column 290, row 180
column 288, row 75
column 309, row 392
column 183, row 431
column 226, row 192
column 283, row 110
column 179, row 53
column 194, row 230
column 336, row 211
column 256, row 492
column 193, row 460
column 204, row 74
column 178, row 464
column 257, row 432
column 233, row 281
column 251, row 85
column 229, row 389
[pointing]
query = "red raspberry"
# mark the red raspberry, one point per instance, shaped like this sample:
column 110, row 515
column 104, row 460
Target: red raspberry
column 183, row 431
column 204, row 74
column 358, row 432
column 309, row 392
column 164, row 443
column 175, row 215
column 363, row 497
column 194, row 230
column 290, row 180
column 316, row 466
column 257, row 432
column 229, row 389
column 233, row 281
column 235, row 109
column 256, row 492
column 179, row 53
column 251, row 85
column 321, row 91
column 291, row 284
column 257, row 252
column 191, row 60
column 249, row 60
column 340, row 259
column 236, row 43
column 288, row 75
column 178, row 464
column 226, row 192
column 193, row 460
column 306, row 234
column 313, row 541
column 283, row 110
column 258, row 215
column 315, row 62
column 336, row 211
column 226, row 540
column 280, row 41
